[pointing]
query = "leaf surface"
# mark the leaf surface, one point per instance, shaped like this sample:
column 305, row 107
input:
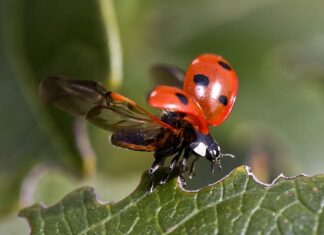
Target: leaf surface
column 237, row 204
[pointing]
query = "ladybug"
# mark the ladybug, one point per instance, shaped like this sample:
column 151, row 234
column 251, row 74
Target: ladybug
column 203, row 96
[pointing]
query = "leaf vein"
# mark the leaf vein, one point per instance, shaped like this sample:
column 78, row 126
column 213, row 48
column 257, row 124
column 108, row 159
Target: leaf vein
column 302, row 201
column 196, row 212
column 157, row 217
column 253, row 211
column 241, row 203
column 133, row 225
column 65, row 218
column 84, row 231
column 40, row 211
column 85, row 209
column 318, row 221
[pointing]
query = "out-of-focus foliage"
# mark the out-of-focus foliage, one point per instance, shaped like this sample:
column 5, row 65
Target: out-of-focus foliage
column 276, row 48
column 41, row 38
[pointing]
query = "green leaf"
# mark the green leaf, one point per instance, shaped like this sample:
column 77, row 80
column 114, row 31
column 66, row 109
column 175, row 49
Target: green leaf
column 238, row 204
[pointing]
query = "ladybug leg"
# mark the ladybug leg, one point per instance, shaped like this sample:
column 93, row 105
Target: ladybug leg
column 156, row 165
column 174, row 161
column 218, row 164
column 150, row 187
column 172, row 165
column 191, row 173
column 214, row 165
column 183, row 165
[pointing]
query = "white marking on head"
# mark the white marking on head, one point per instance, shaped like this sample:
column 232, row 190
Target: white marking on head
column 200, row 149
column 218, row 148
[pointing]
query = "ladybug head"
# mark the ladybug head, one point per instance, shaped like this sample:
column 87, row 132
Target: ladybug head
column 206, row 146
column 213, row 152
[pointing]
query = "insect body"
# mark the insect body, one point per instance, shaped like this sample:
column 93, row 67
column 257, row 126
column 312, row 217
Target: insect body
column 207, row 97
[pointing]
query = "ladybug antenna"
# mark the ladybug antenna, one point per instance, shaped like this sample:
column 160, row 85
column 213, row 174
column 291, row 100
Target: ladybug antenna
column 227, row 155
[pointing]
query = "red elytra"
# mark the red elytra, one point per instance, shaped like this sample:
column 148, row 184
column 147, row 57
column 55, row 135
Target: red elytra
column 176, row 100
column 213, row 83
column 209, row 89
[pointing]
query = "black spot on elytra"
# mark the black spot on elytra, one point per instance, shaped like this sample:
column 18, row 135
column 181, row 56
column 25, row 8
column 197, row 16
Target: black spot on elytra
column 223, row 100
column 201, row 80
column 183, row 99
column 225, row 65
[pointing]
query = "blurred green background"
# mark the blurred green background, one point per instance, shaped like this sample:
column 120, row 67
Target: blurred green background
column 276, row 48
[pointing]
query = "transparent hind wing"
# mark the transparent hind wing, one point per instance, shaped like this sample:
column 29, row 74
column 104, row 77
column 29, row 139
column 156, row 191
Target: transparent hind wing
column 165, row 74
column 76, row 97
